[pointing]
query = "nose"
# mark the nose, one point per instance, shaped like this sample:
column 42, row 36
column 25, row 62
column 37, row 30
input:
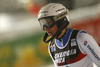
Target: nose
column 46, row 28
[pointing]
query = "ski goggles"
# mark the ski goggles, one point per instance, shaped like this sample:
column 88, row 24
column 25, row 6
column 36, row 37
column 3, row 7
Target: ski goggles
column 46, row 22
column 51, row 20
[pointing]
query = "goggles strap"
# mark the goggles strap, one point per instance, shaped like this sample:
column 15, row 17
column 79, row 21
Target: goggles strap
column 64, row 24
column 56, row 34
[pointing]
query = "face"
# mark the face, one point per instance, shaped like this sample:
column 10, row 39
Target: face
column 49, row 26
column 51, row 31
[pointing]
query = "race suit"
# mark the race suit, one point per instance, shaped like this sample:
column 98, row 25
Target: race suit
column 75, row 49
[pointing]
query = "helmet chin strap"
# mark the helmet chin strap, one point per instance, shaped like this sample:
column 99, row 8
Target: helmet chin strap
column 65, row 23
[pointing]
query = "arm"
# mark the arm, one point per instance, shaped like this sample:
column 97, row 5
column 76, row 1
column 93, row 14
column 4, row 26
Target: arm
column 89, row 47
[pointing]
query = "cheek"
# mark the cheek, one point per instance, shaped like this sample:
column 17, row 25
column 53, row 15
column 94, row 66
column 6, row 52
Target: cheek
column 55, row 28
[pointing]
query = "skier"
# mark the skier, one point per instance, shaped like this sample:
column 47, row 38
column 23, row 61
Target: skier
column 67, row 47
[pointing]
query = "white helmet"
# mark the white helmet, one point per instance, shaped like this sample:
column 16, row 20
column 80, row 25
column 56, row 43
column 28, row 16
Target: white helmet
column 52, row 9
column 51, row 14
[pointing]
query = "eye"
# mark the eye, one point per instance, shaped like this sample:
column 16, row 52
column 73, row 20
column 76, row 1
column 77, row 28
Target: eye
column 50, row 22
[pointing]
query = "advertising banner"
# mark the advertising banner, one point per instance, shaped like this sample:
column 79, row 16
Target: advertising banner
column 28, row 51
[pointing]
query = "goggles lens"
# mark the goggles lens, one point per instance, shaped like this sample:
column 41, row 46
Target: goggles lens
column 46, row 22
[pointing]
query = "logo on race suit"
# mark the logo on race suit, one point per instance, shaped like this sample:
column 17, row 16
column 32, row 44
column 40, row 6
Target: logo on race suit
column 73, row 42
column 92, row 50
column 53, row 48
column 85, row 43
column 60, row 57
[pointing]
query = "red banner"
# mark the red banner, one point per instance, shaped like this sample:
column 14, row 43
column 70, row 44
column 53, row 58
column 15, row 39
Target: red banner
column 92, row 27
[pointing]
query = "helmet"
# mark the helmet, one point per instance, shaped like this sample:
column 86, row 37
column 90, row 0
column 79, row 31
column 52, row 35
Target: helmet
column 52, row 9
column 51, row 14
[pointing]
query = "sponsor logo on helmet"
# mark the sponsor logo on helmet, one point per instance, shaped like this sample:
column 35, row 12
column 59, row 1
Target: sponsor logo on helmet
column 60, row 9
column 60, row 16
column 44, row 12
column 41, row 16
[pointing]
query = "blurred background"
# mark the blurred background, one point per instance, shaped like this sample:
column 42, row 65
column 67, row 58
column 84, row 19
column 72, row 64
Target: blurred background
column 21, row 36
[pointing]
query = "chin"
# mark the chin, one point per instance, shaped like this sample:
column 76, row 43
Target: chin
column 50, row 35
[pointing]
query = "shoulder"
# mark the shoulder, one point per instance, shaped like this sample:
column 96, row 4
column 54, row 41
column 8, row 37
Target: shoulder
column 82, row 35
column 81, row 31
column 82, row 39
